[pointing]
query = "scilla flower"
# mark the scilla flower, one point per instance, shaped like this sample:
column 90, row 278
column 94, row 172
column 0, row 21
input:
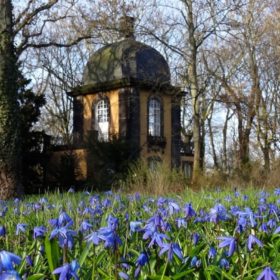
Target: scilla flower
column 9, row 275
column 253, row 240
column 21, row 228
column 140, row 262
column 68, row 271
column 7, row 261
column 267, row 274
column 195, row 262
column 228, row 241
column 171, row 249
column 212, row 253
column 224, row 264
column 2, row 231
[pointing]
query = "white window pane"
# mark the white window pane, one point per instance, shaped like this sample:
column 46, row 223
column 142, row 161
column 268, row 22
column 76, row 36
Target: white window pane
column 102, row 120
column 154, row 127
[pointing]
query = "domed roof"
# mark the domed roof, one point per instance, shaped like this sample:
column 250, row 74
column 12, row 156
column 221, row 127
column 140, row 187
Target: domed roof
column 127, row 60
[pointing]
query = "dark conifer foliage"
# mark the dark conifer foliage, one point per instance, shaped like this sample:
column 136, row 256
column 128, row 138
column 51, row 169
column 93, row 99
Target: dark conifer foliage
column 9, row 110
column 32, row 143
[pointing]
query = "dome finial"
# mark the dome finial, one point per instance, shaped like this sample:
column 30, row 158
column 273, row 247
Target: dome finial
column 126, row 27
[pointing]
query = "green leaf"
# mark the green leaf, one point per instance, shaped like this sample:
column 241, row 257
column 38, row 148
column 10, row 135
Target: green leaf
column 159, row 277
column 36, row 276
column 183, row 274
column 100, row 257
column 52, row 253
column 103, row 273
column 84, row 254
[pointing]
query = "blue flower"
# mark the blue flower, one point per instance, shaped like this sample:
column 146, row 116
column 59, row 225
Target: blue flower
column 224, row 264
column 123, row 275
column 12, row 275
column 195, row 238
column 253, row 240
column 230, row 242
column 267, row 274
column 93, row 238
column 212, row 253
column 21, row 228
column 39, row 232
column 234, row 210
column 273, row 209
column 3, row 211
column 85, row 226
column 277, row 230
column 173, row 207
column 277, row 191
column 67, row 271
column 241, row 224
column 29, row 260
column 181, row 222
column 161, row 201
column 64, row 220
column 156, row 237
column 7, row 260
column 195, row 262
column 249, row 214
column 271, row 223
column 110, row 237
column 140, row 262
column 142, row 259
column 189, row 211
column 54, row 222
column 16, row 201
column 171, row 249
column 228, row 198
column 263, row 227
column 135, row 226
column 65, row 236
column 71, row 190
column 112, row 222
column 106, row 203
column 156, row 222
column 37, row 206
column 43, row 200
column 217, row 213
column 2, row 231
column 236, row 193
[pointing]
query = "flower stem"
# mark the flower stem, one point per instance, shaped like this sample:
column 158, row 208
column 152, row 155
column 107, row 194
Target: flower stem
column 64, row 254
column 93, row 264
column 164, row 270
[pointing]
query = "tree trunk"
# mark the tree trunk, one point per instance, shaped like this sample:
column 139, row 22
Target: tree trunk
column 224, row 155
column 9, row 132
column 211, row 136
column 192, row 77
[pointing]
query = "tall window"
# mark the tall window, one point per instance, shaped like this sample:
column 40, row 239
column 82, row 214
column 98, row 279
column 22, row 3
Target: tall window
column 102, row 119
column 154, row 121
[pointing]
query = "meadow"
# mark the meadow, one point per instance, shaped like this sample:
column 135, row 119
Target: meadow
column 220, row 234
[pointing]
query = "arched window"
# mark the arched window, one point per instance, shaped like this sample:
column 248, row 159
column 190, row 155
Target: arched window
column 101, row 119
column 154, row 121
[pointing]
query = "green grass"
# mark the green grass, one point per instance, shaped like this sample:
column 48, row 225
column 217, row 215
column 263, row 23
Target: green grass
column 154, row 213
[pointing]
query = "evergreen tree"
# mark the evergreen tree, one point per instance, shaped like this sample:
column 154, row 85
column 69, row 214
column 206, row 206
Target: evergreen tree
column 32, row 141
column 9, row 109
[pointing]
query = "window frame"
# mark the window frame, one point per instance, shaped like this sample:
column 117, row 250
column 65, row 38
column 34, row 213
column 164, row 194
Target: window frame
column 101, row 114
column 157, row 125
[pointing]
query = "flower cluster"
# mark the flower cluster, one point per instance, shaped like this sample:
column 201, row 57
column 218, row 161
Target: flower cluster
column 84, row 236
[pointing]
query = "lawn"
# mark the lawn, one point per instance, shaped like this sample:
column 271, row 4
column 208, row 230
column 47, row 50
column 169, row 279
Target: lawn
column 220, row 234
